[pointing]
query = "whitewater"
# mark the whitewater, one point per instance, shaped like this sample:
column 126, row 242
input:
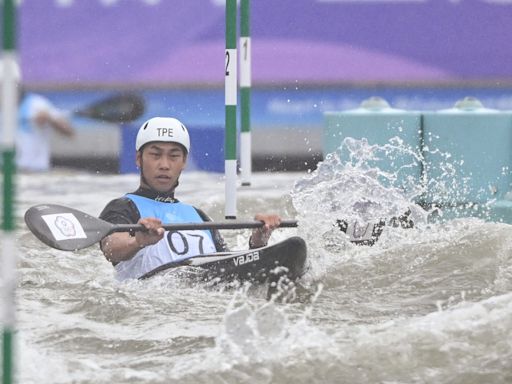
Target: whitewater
column 429, row 304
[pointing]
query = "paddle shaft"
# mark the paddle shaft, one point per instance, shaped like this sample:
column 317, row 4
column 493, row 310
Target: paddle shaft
column 199, row 226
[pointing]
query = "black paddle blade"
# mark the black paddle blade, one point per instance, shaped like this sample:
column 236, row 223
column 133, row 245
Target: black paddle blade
column 65, row 228
column 121, row 108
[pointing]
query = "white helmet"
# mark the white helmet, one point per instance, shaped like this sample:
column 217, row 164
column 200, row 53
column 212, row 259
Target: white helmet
column 165, row 129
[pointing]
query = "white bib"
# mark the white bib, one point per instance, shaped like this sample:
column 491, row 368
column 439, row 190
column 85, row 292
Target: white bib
column 175, row 246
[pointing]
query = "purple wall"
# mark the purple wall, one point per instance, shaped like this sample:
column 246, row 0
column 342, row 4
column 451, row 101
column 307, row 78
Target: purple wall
column 294, row 41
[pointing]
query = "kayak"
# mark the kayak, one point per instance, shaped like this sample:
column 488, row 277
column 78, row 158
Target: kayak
column 260, row 265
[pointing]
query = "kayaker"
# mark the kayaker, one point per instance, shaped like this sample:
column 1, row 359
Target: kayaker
column 162, row 147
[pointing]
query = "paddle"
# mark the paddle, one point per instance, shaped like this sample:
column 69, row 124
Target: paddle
column 68, row 229
column 119, row 108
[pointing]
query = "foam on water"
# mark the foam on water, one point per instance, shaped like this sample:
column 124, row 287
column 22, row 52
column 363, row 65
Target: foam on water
column 427, row 304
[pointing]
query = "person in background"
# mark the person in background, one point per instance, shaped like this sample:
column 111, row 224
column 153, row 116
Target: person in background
column 37, row 118
column 162, row 147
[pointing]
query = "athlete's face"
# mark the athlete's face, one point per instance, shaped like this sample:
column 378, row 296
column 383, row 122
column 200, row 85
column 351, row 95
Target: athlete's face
column 161, row 164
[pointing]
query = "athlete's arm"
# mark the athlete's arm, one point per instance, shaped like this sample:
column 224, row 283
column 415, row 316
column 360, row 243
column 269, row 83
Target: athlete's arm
column 123, row 246
column 60, row 124
column 120, row 246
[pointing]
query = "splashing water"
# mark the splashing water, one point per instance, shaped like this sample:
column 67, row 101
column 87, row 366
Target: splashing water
column 361, row 182
column 257, row 334
column 352, row 184
column 365, row 183
column 427, row 304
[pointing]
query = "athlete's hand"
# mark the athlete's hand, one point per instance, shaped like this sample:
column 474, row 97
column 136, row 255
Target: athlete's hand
column 153, row 233
column 261, row 235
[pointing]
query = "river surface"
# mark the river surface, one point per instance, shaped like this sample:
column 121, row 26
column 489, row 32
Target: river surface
column 431, row 304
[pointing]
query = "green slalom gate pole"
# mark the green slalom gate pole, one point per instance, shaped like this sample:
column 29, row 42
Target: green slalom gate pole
column 8, row 252
column 245, row 93
column 231, row 101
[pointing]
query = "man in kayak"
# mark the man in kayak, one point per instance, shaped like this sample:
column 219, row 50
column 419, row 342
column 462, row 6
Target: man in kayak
column 162, row 146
